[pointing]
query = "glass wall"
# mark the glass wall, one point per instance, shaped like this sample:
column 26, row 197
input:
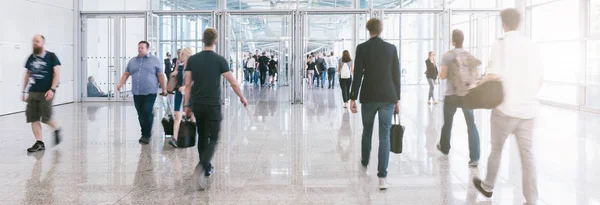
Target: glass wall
column 571, row 59
column 569, row 48
column 592, row 72
column 180, row 31
column 113, row 5
column 171, row 5
column 413, row 34
column 560, row 51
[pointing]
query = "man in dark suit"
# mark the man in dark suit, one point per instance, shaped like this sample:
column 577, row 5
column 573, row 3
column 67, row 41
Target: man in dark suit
column 94, row 90
column 378, row 70
column 175, row 60
column 168, row 65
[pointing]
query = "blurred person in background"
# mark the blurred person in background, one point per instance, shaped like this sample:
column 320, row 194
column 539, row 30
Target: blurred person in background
column 432, row 75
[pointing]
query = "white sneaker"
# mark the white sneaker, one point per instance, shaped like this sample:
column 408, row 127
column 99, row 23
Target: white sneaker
column 383, row 185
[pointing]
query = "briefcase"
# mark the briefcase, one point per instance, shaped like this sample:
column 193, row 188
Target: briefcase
column 167, row 121
column 187, row 133
column 396, row 135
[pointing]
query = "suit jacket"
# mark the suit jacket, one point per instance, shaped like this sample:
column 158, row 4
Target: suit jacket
column 93, row 91
column 432, row 71
column 168, row 66
column 377, row 70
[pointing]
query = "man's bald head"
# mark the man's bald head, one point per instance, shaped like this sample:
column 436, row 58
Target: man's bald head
column 38, row 44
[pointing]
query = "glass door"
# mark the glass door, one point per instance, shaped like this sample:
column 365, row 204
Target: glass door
column 108, row 43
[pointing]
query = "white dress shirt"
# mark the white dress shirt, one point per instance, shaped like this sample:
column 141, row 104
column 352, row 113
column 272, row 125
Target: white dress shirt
column 515, row 60
column 332, row 62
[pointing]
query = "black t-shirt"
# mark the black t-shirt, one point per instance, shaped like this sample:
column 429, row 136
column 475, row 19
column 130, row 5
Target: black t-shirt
column 272, row 65
column 263, row 61
column 311, row 66
column 207, row 68
column 320, row 64
column 41, row 69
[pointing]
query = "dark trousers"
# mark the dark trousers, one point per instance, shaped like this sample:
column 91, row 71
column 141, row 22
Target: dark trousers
column 263, row 77
column 331, row 74
column 208, row 122
column 451, row 104
column 345, row 85
column 246, row 74
column 144, row 105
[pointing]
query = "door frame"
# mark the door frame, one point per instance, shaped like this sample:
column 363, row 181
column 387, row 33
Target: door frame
column 118, row 54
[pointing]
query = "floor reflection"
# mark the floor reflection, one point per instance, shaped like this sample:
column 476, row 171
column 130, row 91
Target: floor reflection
column 274, row 152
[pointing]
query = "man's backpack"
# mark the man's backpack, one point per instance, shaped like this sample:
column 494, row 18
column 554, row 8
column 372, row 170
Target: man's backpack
column 463, row 73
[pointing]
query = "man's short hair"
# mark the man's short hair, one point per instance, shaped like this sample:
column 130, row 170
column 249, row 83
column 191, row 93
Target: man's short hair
column 168, row 54
column 145, row 42
column 375, row 27
column 209, row 37
column 458, row 37
column 511, row 18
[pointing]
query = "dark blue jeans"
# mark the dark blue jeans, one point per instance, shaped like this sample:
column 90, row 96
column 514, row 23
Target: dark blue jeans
column 144, row 105
column 451, row 103
column 386, row 112
column 323, row 77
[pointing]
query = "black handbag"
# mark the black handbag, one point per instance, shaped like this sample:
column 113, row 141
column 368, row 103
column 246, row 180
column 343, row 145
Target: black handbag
column 187, row 133
column 396, row 135
column 487, row 95
column 167, row 121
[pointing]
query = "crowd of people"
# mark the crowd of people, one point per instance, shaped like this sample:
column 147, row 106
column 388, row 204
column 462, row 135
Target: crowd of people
column 260, row 68
column 373, row 77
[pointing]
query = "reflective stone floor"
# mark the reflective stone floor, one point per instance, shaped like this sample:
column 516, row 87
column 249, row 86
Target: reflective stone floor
column 278, row 153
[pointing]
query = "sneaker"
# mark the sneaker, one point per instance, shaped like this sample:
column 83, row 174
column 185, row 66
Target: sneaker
column 173, row 143
column 144, row 140
column 209, row 173
column 57, row 137
column 199, row 182
column 436, row 102
column 38, row 146
column 473, row 163
column 383, row 185
column 429, row 102
column 439, row 148
column 477, row 183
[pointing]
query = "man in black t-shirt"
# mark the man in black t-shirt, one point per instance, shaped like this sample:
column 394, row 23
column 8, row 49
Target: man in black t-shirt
column 263, row 62
column 272, row 70
column 43, row 67
column 321, row 65
column 203, row 86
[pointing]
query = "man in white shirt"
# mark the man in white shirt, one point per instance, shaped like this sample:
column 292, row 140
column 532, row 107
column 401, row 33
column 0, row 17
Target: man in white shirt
column 251, row 66
column 515, row 62
column 332, row 65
